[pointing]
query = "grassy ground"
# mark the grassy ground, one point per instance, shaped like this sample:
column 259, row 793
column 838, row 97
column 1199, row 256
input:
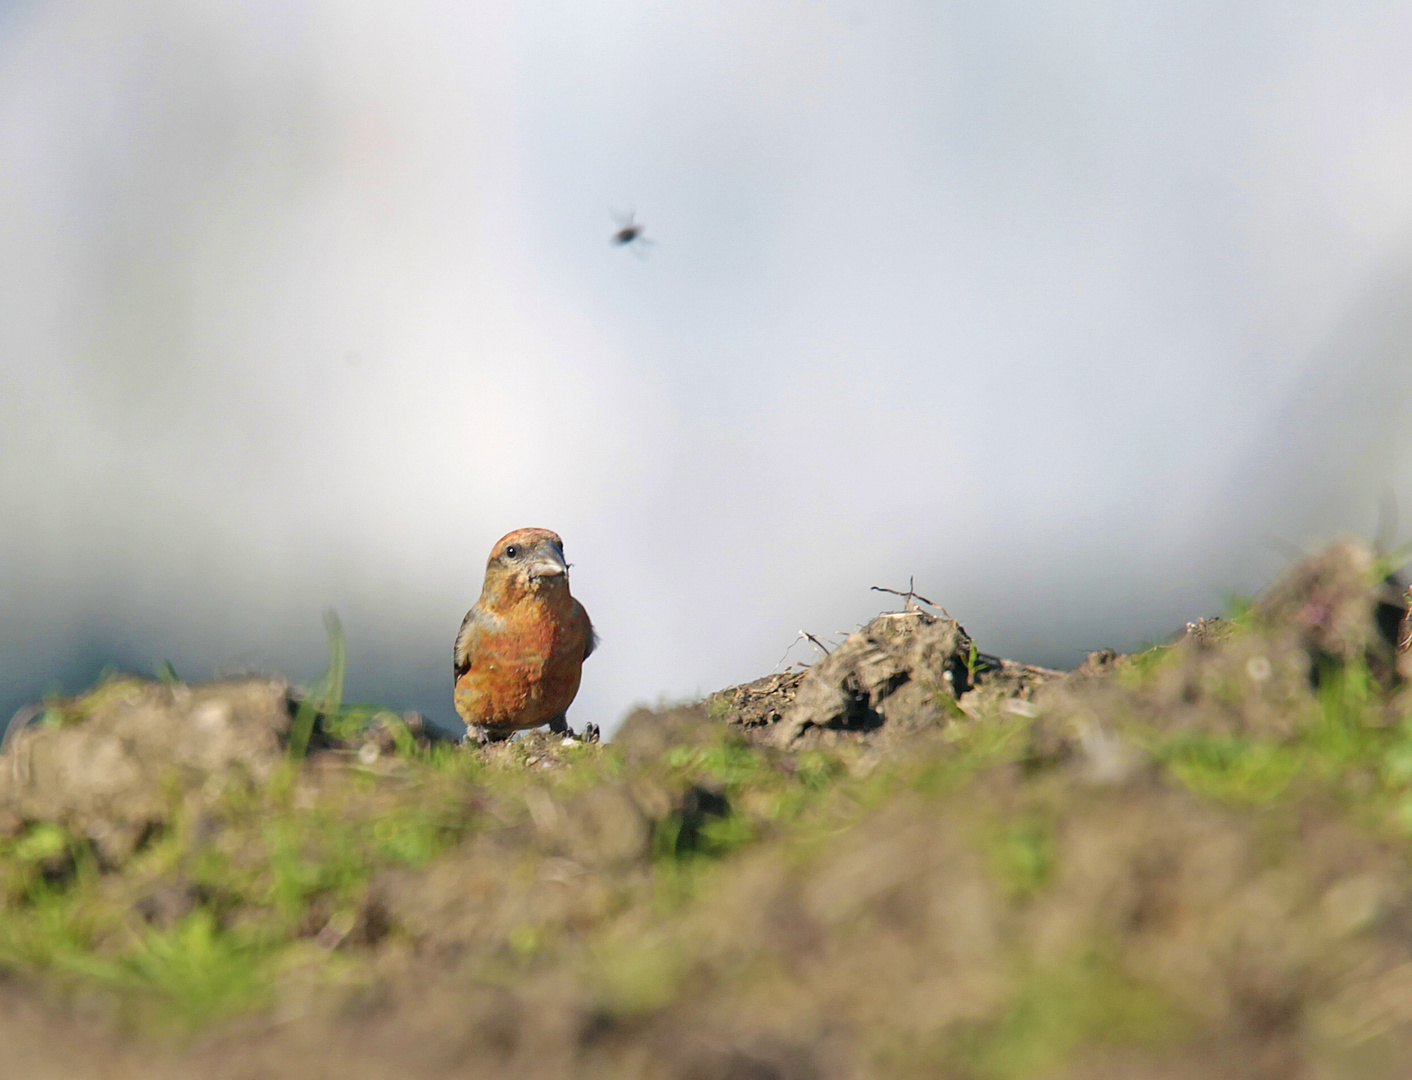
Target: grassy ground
column 1188, row 862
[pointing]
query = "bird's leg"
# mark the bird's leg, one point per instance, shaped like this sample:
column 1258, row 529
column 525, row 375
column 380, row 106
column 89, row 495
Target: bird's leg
column 590, row 733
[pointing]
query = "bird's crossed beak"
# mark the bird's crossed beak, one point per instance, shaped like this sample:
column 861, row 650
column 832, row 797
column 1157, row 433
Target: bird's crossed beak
column 549, row 563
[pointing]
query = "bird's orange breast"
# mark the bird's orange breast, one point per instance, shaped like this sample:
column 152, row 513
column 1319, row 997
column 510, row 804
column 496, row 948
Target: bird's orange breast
column 525, row 668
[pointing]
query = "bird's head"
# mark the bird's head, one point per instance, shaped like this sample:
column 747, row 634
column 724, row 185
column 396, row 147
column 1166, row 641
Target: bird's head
column 526, row 561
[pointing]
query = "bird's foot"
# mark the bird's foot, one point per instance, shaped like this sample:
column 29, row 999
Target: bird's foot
column 560, row 726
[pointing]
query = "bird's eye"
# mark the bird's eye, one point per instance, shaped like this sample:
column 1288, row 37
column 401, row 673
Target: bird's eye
column 511, row 551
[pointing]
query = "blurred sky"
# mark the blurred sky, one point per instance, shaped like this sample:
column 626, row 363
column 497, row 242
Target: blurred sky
column 1083, row 313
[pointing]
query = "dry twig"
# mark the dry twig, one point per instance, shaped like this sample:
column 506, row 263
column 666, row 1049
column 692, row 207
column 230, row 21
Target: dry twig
column 910, row 596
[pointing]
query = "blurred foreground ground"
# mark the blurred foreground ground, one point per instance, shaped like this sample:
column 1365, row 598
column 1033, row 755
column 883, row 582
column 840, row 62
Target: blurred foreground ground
column 912, row 859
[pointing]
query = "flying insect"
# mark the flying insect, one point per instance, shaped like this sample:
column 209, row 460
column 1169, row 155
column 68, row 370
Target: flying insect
column 629, row 233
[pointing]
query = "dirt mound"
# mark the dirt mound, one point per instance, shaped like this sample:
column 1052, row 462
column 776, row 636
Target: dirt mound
column 116, row 764
column 903, row 672
column 108, row 765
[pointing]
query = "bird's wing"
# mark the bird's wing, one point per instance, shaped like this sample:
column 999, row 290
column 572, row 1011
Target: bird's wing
column 466, row 641
column 590, row 637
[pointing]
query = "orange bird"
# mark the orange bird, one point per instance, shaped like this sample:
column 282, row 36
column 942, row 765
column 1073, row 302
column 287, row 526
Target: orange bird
column 520, row 652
